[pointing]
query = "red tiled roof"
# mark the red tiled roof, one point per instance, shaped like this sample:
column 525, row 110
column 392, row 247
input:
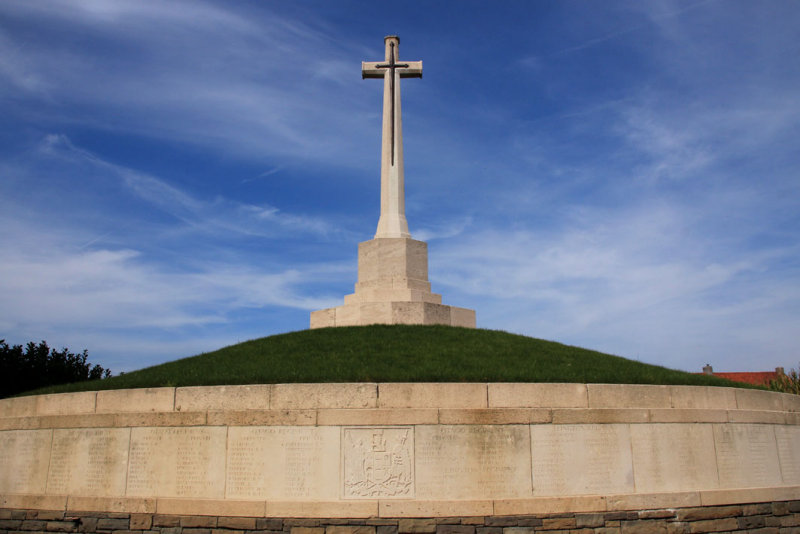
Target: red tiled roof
column 761, row 378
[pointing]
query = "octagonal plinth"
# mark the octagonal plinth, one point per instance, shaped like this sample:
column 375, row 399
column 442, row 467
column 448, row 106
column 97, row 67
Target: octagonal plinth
column 393, row 288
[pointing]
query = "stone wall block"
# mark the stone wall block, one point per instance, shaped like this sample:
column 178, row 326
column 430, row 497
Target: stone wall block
column 780, row 508
column 238, row 523
column 500, row 521
column 290, row 523
column 306, row 396
column 519, row 395
column 62, row 526
column 194, row 521
column 113, row 524
column 790, row 520
column 205, row 398
column 589, row 520
column 350, row 529
column 644, row 527
column 66, row 403
column 136, row 400
column 35, row 524
column 714, row 525
column 416, row 526
column 757, row 509
column 269, row 523
column 754, row 399
column 657, row 514
column 163, row 520
column 791, row 403
column 628, row 396
column 703, row 398
column 715, row 512
column 455, row 529
column 751, row 521
column 558, row 523
column 10, row 524
column 88, row 524
column 18, row 407
column 529, row 521
column 141, row 521
column 430, row 395
column 50, row 515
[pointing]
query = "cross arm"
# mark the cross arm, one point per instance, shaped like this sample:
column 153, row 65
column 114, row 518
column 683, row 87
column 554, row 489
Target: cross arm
column 369, row 69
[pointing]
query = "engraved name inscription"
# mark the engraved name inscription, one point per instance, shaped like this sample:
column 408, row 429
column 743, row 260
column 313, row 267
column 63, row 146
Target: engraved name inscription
column 177, row 462
column 88, row 461
column 789, row 453
column 277, row 462
column 747, row 456
column 582, row 459
column 24, row 457
column 473, row 461
column 673, row 457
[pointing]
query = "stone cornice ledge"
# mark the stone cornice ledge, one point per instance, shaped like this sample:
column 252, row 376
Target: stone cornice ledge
column 401, row 508
column 450, row 399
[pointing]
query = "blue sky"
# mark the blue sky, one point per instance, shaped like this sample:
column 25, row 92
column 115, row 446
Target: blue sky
column 624, row 176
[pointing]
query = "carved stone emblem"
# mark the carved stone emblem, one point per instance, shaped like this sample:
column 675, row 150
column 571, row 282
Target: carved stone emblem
column 378, row 462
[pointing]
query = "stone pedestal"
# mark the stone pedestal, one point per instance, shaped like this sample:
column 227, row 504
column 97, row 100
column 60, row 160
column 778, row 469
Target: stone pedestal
column 393, row 288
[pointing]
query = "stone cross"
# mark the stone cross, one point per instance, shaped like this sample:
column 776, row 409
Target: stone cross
column 392, row 222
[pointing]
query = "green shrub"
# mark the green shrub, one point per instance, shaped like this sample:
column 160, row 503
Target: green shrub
column 787, row 383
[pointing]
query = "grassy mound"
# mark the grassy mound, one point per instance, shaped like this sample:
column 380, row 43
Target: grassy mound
column 396, row 354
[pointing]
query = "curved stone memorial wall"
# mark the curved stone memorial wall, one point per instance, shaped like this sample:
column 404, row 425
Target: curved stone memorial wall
column 398, row 450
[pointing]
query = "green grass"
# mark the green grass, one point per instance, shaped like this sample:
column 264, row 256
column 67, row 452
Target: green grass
column 396, row 354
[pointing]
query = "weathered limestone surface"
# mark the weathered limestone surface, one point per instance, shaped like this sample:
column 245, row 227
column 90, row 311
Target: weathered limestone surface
column 468, row 462
column 177, row 462
column 88, row 461
column 581, row 459
column 751, row 445
column 393, row 288
column 673, row 457
column 283, row 463
column 24, row 460
column 398, row 450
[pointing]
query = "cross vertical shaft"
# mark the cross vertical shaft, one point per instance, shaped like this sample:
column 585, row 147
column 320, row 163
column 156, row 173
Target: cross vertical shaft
column 392, row 222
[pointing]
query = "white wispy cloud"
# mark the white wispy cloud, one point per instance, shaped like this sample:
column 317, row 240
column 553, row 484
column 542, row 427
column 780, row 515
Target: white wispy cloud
column 212, row 215
column 258, row 85
column 638, row 275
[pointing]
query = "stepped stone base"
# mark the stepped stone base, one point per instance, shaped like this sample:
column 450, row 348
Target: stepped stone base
column 397, row 312
column 393, row 288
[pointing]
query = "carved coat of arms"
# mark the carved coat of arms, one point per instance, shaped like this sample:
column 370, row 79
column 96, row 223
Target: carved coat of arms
column 378, row 462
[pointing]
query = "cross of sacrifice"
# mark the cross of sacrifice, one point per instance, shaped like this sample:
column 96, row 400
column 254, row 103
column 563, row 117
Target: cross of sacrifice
column 392, row 222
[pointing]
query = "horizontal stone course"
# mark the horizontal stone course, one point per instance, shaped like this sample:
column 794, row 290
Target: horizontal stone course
column 416, row 395
column 136, row 400
column 389, row 416
column 776, row 516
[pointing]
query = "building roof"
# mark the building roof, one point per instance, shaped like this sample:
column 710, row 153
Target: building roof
column 760, row 378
